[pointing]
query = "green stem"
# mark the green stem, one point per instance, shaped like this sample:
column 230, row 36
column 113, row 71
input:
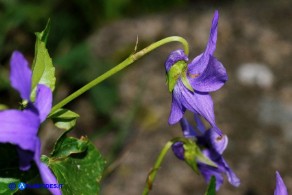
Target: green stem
column 132, row 58
column 152, row 174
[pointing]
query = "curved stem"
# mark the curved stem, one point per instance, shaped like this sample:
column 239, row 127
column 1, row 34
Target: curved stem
column 152, row 174
column 132, row 58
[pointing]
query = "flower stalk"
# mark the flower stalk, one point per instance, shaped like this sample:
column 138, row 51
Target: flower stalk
column 132, row 58
column 152, row 174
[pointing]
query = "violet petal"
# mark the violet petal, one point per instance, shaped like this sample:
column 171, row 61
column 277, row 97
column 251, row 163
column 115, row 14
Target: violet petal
column 211, row 46
column 177, row 111
column 208, row 172
column 218, row 141
column 199, row 124
column 43, row 101
column 199, row 64
column 280, row 185
column 187, row 129
column 174, row 57
column 222, row 168
column 196, row 102
column 19, row 128
column 46, row 174
column 178, row 150
column 211, row 78
column 20, row 75
column 25, row 159
column 232, row 178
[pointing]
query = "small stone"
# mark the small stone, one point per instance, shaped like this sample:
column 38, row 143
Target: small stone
column 254, row 74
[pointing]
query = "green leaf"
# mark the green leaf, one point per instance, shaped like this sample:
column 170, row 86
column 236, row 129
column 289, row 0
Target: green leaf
column 77, row 165
column 211, row 190
column 192, row 154
column 64, row 119
column 45, row 33
column 8, row 186
column 65, row 146
column 43, row 71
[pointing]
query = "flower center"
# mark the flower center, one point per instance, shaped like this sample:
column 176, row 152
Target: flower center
column 193, row 76
column 219, row 138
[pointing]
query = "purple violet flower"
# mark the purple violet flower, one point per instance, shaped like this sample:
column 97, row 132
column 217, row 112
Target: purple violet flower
column 20, row 127
column 213, row 144
column 280, row 185
column 191, row 83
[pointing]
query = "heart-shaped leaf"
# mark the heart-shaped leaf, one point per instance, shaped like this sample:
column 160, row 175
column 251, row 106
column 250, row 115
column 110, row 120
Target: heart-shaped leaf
column 77, row 165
